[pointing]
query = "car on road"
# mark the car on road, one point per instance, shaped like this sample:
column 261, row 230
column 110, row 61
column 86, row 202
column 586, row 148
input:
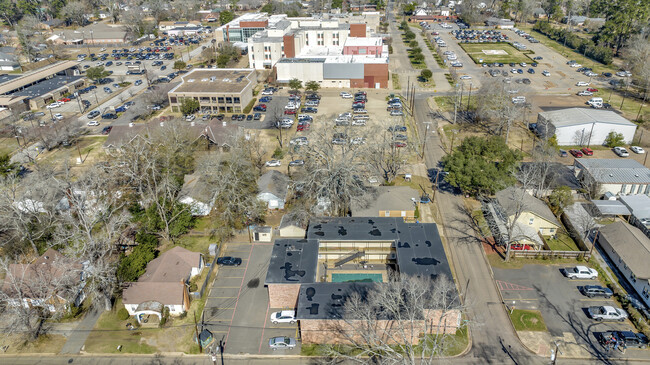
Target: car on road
column 93, row 123
column 297, row 163
column 585, row 93
column 637, row 149
column 466, row 77
column 621, row 151
column 582, row 83
column 580, row 272
column 273, row 163
column 346, row 95
column 587, row 151
column 596, row 291
column 228, row 261
column 623, row 338
column 286, row 316
column 93, row 114
column 58, row 116
column 282, row 343
column 606, row 313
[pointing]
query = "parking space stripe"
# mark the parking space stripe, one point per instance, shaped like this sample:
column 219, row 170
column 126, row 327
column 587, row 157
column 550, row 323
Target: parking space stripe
column 239, row 294
column 268, row 306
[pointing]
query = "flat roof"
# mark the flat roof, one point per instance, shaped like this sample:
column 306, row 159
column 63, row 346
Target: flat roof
column 611, row 207
column 293, row 261
column 327, row 300
column 577, row 116
column 47, row 86
column 363, row 41
column 31, row 77
column 6, row 77
column 615, row 171
column 639, row 204
column 214, row 81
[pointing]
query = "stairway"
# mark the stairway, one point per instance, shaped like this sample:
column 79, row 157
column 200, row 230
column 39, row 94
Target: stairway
column 351, row 256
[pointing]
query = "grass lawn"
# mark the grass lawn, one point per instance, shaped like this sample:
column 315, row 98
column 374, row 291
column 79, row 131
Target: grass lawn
column 480, row 221
column 527, row 320
column 396, row 83
column 196, row 243
column 475, row 51
column 8, row 145
column 519, row 262
column 46, row 344
column 562, row 243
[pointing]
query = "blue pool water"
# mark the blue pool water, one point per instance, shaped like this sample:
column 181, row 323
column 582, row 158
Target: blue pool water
column 356, row 277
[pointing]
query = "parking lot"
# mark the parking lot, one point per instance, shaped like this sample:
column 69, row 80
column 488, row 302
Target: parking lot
column 563, row 307
column 237, row 309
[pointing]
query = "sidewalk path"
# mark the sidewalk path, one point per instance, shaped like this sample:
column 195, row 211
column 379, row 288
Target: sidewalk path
column 79, row 335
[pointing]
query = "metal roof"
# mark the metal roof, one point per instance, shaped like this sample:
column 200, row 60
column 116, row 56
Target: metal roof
column 631, row 245
column 611, row 207
column 639, row 205
column 293, row 261
column 577, row 116
column 615, row 171
column 36, row 76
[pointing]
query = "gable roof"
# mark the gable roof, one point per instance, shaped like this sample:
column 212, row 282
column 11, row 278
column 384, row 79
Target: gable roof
column 197, row 188
column 388, row 198
column 507, row 199
column 631, row 245
column 274, row 182
column 164, row 293
column 174, row 265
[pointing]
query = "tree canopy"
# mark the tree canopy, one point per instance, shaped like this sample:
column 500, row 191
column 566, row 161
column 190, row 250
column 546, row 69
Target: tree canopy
column 189, row 106
column 481, row 165
column 96, row 73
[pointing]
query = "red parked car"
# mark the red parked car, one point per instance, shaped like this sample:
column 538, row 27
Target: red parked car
column 399, row 144
column 289, row 112
column 575, row 153
column 592, row 89
column 302, row 127
column 65, row 100
column 587, row 151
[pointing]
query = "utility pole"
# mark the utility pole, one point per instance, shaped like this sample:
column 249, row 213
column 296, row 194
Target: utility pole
column 469, row 96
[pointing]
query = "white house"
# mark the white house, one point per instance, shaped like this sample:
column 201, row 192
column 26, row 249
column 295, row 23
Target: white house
column 292, row 227
column 629, row 249
column 583, row 126
column 198, row 194
column 164, row 284
column 273, row 187
column 615, row 176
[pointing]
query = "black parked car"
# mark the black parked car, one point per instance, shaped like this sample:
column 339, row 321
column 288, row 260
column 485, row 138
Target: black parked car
column 623, row 338
column 109, row 116
column 229, row 261
column 595, row 291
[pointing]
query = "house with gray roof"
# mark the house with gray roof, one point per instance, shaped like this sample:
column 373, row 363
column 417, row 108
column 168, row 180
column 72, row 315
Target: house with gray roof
column 629, row 249
column 273, row 187
column 198, row 193
column 614, row 176
column 583, row 126
column 390, row 201
column 8, row 59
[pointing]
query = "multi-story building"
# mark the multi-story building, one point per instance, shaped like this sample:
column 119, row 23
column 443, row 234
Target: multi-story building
column 217, row 90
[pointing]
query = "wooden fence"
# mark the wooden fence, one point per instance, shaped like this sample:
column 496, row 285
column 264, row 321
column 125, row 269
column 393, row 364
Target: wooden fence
column 551, row 254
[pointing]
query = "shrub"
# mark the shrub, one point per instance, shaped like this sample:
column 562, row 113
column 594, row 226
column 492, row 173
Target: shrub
column 193, row 287
column 278, row 153
column 248, row 107
column 122, row 314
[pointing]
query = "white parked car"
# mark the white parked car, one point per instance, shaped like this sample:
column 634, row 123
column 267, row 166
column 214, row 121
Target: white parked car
column 466, row 77
column 637, row 149
column 93, row 123
column 58, row 116
column 580, row 272
column 55, row 104
column 582, row 83
column 576, row 65
column 282, row 343
column 267, row 92
column 283, row 317
column 519, row 99
column 346, row 95
column 273, row 163
column 606, row 313
column 585, row 93
column 546, row 73
column 621, row 152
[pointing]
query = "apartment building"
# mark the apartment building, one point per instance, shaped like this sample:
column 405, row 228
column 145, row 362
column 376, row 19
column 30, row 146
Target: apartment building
column 217, row 90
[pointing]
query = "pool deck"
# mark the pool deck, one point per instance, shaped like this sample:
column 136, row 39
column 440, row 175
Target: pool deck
column 384, row 276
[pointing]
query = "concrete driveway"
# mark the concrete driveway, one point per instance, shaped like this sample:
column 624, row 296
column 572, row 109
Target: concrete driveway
column 544, row 288
column 237, row 309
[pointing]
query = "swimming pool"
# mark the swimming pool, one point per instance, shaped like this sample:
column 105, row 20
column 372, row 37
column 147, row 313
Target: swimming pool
column 356, row 277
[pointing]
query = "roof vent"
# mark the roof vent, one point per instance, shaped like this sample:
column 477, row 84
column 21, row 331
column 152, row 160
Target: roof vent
column 191, row 80
column 205, row 79
column 636, row 175
column 131, row 124
column 611, row 175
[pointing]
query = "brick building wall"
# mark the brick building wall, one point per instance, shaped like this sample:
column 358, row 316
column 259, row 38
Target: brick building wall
column 357, row 30
column 283, row 295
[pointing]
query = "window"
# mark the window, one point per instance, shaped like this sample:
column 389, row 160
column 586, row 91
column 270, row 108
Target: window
column 320, row 42
column 633, row 277
column 228, row 100
column 623, row 187
column 387, row 213
column 236, row 100
column 647, row 189
column 335, row 35
column 530, row 221
column 221, row 100
column 632, row 188
column 172, row 100
column 552, row 230
column 403, row 213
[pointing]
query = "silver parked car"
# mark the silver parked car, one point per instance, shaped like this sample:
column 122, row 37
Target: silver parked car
column 282, row 343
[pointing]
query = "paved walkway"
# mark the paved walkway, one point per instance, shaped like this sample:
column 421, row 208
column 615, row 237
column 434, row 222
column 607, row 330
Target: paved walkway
column 79, row 335
column 438, row 73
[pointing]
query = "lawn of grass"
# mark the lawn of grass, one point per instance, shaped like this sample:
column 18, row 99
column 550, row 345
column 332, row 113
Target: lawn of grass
column 8, row 146
column 475, row 51
column 562, row 243
column 519, row 262
column 196, row 243
column 481, row 223
column 396, row 83
column 45, row 344
column 527, row 320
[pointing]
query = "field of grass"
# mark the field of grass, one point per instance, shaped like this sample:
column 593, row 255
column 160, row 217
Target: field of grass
column 8, row 145
column 396, row 83
column 527, row 320
column 562, row 243
column 475, row 51
column 45, row 344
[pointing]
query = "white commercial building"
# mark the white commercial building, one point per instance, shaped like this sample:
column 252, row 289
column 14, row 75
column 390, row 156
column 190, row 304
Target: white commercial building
column 583, row 127
column 614, row 176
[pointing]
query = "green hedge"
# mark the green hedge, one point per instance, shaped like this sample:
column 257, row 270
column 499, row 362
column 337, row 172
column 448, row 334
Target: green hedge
column 587, row 47
column 248, row 107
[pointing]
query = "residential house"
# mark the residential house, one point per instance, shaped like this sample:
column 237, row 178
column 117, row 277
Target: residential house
column 164, row 284
column 198, row 193
column 629, row 250
column 273, row 187
column 528, row 216
column 8, row 59
column 390, row 201
column 500, row 23
column 614, row 176
column 53, row 281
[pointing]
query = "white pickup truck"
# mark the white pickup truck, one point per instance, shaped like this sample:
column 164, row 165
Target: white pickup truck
column 606, row 313
column 580, row 272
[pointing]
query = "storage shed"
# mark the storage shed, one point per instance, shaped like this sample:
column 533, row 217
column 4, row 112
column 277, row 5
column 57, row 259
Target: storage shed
column 583, row 126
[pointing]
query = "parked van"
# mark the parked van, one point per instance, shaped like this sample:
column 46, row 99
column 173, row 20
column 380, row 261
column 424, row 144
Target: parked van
column 593, row 101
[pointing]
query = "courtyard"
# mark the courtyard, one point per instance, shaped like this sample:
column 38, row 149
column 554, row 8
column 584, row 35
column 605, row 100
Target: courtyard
column 495, row 52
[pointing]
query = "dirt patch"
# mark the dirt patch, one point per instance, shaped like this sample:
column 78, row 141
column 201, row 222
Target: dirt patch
column 561, row 73
column 548, row 84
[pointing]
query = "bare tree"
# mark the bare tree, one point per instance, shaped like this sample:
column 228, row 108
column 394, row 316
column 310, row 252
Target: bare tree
column 407, row 320
column 542, row 174
column 636, row 57
column 384, row 155
column 28, row 36
column 112, row 8
column 133, row 21
column 157, row 9
column 74, row 12
column 157, row 95
column 494, row 103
